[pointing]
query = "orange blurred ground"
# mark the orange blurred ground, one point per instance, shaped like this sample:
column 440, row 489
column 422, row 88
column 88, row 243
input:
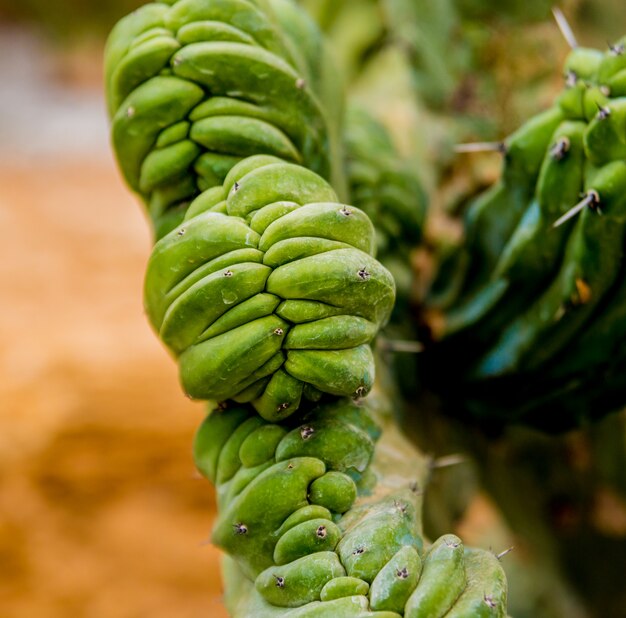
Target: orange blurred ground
column 101, row 510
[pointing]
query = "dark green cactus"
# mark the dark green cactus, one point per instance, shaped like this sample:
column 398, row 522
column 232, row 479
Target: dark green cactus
column 266, row 288
column 537, row 277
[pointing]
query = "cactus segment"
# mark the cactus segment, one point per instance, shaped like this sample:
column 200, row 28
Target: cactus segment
column 263, row 283
column 442, row 582
column 300, row 581
column 335, row 490
column 216, row 305
column 311, row 536
column 341, row 587
column 542, row 258
column 229, row 73
column 395, row 582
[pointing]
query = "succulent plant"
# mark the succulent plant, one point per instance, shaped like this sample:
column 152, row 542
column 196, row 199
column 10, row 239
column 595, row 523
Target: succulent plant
column 193, row 87
column 537, row 288
column 266, row 288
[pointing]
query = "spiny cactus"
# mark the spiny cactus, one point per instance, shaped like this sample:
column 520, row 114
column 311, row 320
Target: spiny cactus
column 266, row 288
column 540, row 270
column 276, row 300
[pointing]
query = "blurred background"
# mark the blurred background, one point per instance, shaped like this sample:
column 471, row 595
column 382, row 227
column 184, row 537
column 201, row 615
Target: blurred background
column 101, row 510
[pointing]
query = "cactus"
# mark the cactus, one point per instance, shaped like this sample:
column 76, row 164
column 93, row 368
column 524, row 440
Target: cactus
column 267, row 96
column 537, row 297
column 265, row 287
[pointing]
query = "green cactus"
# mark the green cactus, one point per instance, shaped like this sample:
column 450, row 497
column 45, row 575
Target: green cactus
column 537, row 280
column 272, row 91
column 373, row 557
column 220, row 290
column 265, row 287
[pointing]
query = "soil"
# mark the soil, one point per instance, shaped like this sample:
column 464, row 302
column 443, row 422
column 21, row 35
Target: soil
column 102, row 513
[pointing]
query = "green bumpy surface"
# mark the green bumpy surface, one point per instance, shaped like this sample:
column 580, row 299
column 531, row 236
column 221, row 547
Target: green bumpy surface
column 528, row 306
column 193, row 87
column 353, row 549
column 266, row 288
column 269, row 292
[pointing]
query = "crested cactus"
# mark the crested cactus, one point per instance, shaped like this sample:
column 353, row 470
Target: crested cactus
column 265, row 286
column 538, row 284
column 193, row 87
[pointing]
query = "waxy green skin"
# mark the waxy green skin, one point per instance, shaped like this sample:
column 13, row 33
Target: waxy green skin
column 335, row 490
column 442, row 581
column 216, row 289
column 485, row 593
column 265, row 287
column 395, row 582
column 341, row 587
column 273, row 90
column 309, row 537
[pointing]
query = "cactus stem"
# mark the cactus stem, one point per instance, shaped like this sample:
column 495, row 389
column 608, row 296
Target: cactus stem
column 481, row 147
column 591, row 199
column 565, row 28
